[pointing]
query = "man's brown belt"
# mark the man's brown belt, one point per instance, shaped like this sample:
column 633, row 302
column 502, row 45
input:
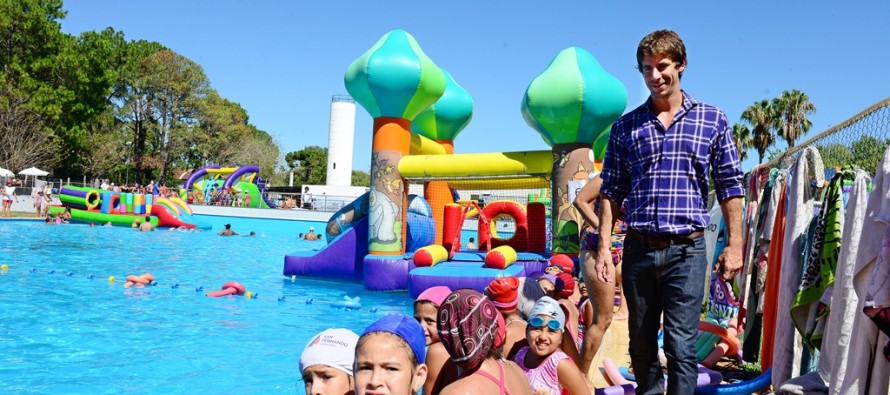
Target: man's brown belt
column 662, row 242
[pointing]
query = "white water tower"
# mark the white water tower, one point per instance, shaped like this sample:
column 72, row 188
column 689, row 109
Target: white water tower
column 340, row 141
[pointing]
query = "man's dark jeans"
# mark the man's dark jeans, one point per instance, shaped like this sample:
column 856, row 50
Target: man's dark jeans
column 668, row 280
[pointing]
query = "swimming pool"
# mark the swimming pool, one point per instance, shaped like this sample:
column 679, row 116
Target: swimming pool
column 62, row 332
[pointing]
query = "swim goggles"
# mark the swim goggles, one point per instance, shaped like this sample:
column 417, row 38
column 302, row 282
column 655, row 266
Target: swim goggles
column 537, row 322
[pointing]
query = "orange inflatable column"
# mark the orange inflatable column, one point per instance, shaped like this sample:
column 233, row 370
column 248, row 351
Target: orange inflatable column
column 438, row 194
column 387, row 206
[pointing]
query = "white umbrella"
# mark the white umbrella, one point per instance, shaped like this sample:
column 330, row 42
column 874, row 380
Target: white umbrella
column 33, row 171
column 6, row 173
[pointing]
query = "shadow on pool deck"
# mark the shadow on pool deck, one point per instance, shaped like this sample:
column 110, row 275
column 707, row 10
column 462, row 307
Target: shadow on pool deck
column 615, row 343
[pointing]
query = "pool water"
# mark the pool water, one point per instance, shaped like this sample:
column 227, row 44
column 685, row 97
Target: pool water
column 63, row 332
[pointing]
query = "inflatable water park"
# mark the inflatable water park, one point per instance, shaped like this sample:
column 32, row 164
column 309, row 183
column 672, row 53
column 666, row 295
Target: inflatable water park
column 243, row 179
column 99, row 206
column 389, row 240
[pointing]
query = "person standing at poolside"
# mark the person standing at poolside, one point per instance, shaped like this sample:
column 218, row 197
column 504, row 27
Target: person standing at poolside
column 8, row 197
column 658, row 158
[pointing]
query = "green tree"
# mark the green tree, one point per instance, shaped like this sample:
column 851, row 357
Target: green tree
column 867, row 153
column 836, row 154
column 131, row 100
column 31, row 76
column 310, row 165
column 361, row 178
column 258, row 149
column 761, row 117
column 222, row 125
column 176, row 85
column 741, row 136
column 792, row 107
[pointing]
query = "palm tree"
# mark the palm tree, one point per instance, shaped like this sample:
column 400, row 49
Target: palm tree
column 741, row 135
column 761, row 117
column 792, row 108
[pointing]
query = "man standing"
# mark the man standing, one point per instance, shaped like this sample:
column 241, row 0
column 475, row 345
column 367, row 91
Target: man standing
column 307, row 199
column 658, row 158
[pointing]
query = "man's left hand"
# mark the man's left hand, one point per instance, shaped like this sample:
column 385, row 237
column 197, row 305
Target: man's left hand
column 729, row 263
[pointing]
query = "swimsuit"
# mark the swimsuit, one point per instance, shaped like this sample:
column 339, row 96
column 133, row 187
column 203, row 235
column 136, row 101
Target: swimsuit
column 544, row 379
column 589, row 239
column 501, row 381
column 582, row 323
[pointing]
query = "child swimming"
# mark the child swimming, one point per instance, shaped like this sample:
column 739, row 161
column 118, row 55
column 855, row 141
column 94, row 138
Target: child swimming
column 549, row 370
column 326, row 363
column 389, row 357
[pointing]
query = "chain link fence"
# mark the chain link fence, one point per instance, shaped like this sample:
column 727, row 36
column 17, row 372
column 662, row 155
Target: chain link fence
column 857, row 143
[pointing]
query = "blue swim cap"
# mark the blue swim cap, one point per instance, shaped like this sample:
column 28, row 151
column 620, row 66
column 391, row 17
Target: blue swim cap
column 404, row 327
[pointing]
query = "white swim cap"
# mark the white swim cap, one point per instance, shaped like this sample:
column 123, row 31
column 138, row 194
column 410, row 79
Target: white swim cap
column 331, row 347
column 312, row 229
column 548, row 307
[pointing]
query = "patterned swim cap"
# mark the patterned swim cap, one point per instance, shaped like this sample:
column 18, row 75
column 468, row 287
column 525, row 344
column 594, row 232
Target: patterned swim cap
column 468, row 327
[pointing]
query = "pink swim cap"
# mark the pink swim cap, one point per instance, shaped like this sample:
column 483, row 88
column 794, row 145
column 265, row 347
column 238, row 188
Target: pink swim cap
column 435, row 294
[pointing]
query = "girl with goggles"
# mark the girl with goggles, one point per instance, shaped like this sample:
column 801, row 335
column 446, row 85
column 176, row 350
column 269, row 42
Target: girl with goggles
column 549, row 370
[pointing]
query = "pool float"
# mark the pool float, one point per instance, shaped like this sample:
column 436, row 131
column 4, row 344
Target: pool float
column 348, row 303
column 706, row 376
column 229, row 288
column 754, row 385
column 139, row 281
column 731, row 341
column 620, row 384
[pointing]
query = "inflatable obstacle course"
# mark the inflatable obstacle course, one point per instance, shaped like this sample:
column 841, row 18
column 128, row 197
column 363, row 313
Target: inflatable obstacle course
column 124, row 209
column 239, row 180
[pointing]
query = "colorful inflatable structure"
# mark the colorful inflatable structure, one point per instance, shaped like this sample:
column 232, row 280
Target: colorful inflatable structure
column 123, row 209
column 239, row 179
column 389, row 240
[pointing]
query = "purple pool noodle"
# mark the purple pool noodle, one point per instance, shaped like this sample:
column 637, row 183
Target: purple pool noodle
column 72, row 192
column 707, row 376
column 625, row 389
column 756, row 384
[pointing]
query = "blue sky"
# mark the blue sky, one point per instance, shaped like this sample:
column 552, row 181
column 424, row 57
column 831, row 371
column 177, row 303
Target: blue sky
column 283, row 60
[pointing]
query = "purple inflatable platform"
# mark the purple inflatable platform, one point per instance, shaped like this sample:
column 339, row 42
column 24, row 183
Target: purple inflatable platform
column 466, row 270
column 340, row 260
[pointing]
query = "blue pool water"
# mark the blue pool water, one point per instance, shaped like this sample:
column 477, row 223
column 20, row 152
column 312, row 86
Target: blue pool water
column 61, row 332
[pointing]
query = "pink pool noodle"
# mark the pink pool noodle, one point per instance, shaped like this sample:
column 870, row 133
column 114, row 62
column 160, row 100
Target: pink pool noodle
column 612, row 372
column 228, row 288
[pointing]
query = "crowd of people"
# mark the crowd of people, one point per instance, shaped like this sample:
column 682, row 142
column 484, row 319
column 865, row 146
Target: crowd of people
column 518, row 337
column 658, row 161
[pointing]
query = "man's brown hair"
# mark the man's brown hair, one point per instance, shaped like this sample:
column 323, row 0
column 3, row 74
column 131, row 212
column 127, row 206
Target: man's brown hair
column 662, row 42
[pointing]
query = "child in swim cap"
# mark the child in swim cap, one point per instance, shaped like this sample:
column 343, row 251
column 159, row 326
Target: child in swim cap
column 549, row 370
column 326, row 362
column 390, row 358
column 473, row 331
column 426, row 309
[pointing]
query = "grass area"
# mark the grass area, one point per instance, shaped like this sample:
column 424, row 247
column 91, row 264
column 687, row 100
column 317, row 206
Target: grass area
column 22, row 214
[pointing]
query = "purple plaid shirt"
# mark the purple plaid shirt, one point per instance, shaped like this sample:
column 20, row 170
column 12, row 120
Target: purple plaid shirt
column 663, row 174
